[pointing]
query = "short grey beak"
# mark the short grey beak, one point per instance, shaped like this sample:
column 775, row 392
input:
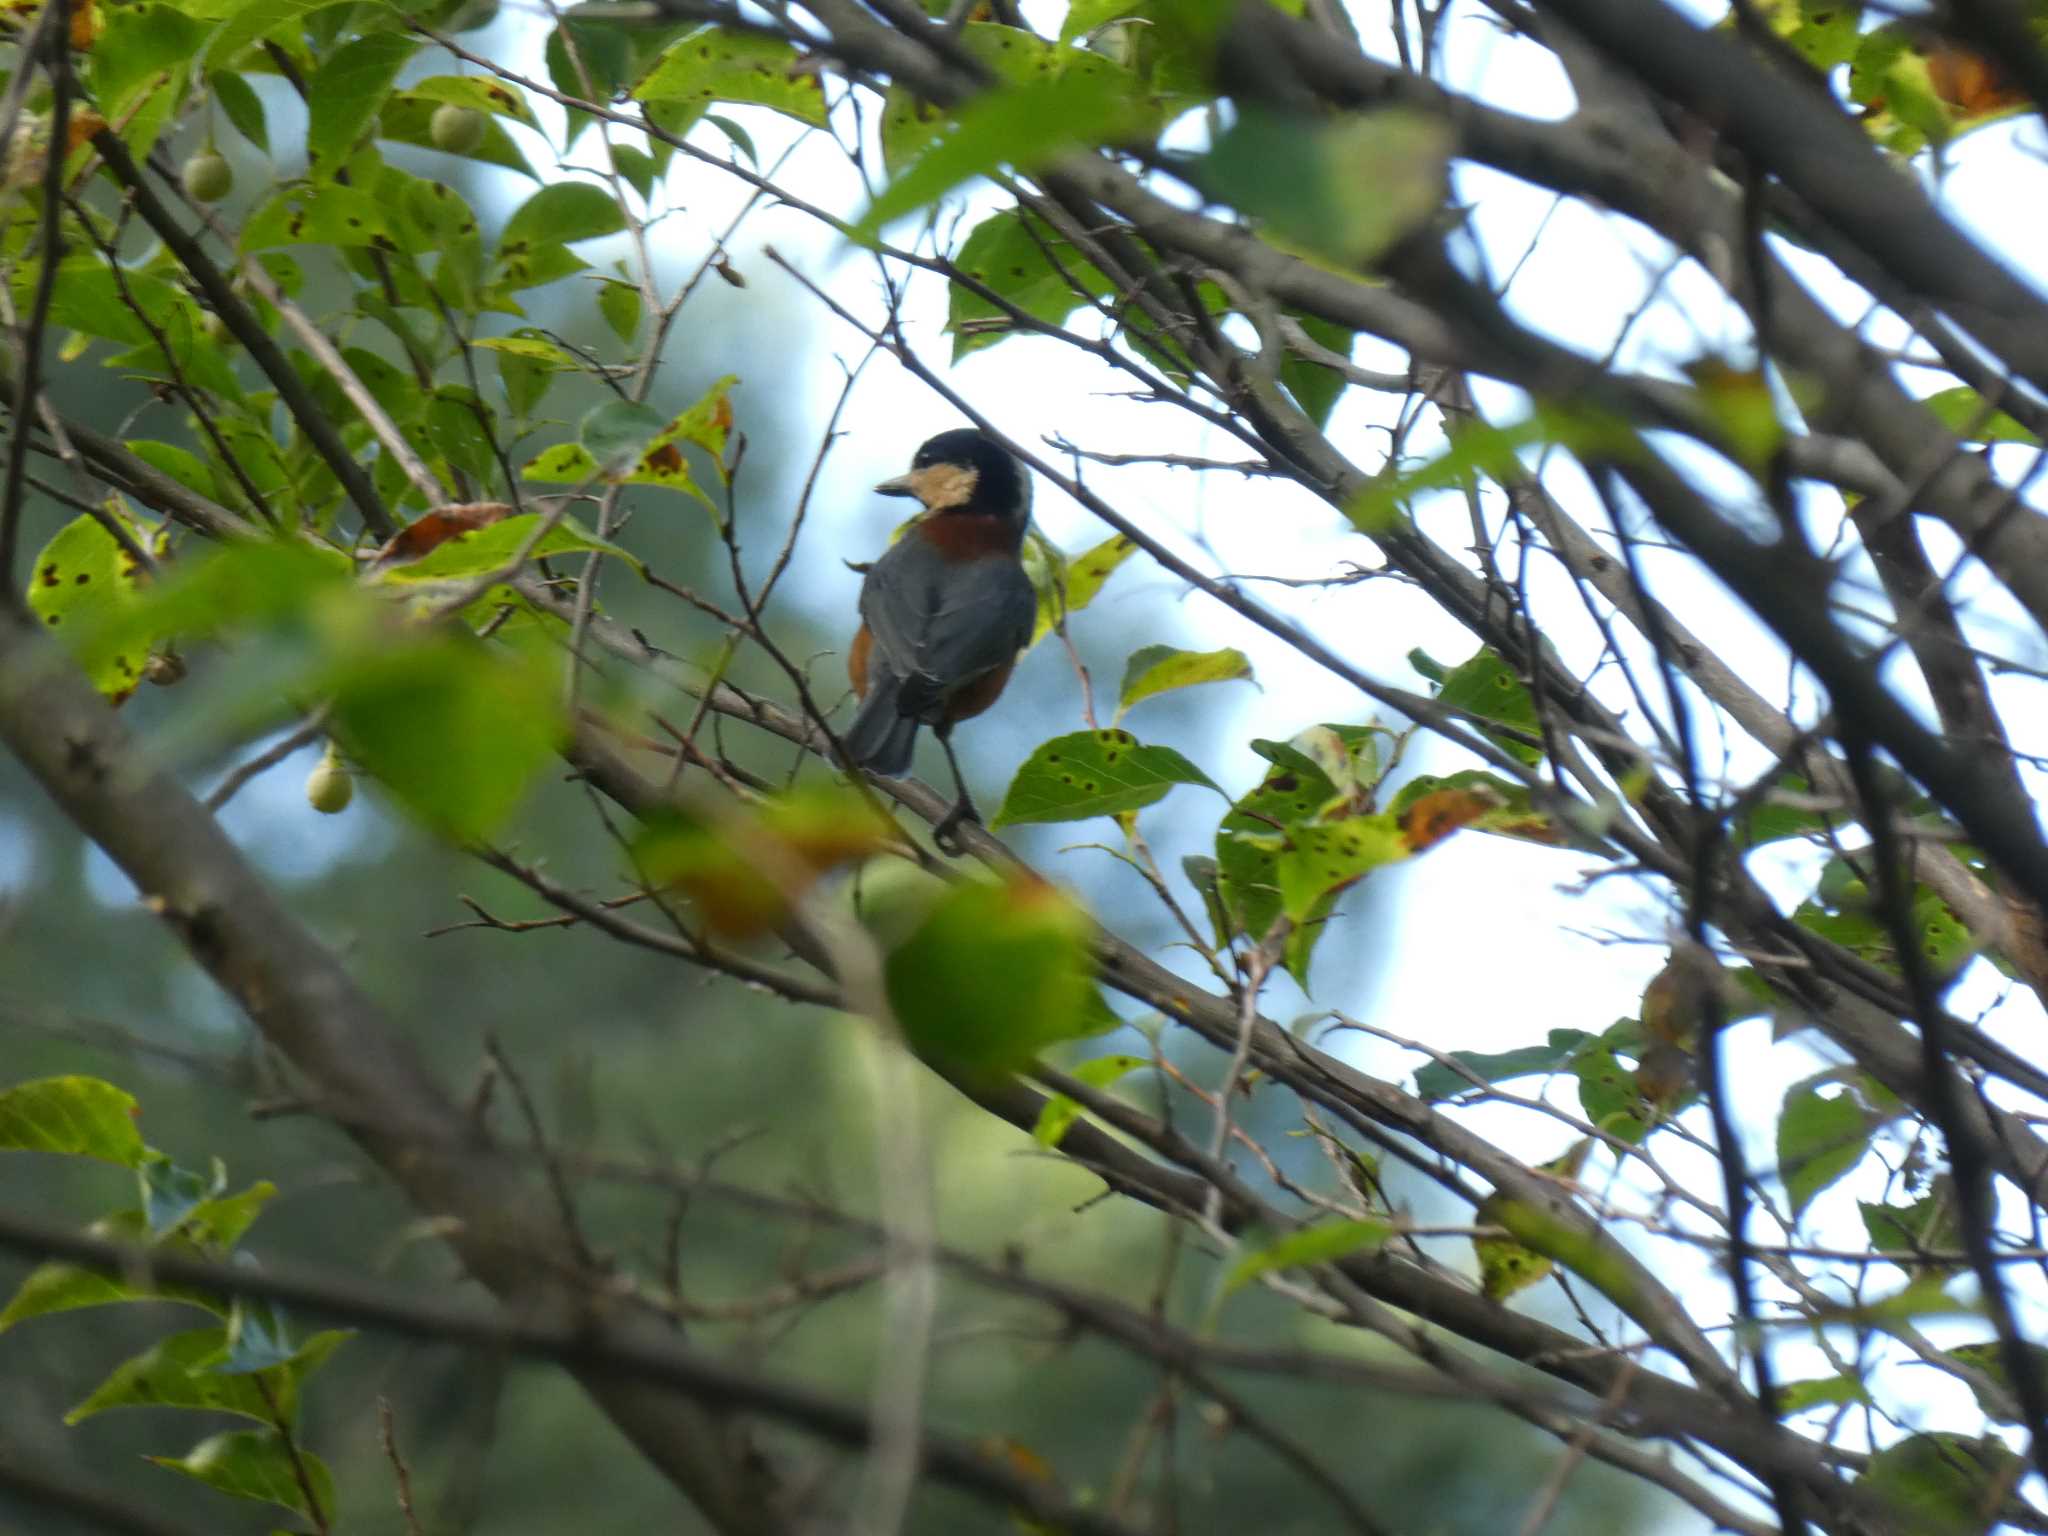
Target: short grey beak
column 900, row 486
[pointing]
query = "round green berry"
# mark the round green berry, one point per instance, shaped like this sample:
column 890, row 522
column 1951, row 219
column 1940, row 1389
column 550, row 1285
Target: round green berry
column 458, row 130
column 207, row 176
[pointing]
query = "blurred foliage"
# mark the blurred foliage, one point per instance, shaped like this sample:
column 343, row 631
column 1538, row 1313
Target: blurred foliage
column 411, row 565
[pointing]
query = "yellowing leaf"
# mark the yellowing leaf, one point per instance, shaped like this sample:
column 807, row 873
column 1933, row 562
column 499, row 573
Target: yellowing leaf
column 1066, row 587
column 1738, row 401
column 1060, row 1112
column 82, row 583
column 1505, row 1266
column 715, row 65
column 74, row 1117
column 745, row 872
column 1157, row 669
column 1318, row 1243
column 1320, row 859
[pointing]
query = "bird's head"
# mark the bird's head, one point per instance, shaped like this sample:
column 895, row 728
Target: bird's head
column 963, row 471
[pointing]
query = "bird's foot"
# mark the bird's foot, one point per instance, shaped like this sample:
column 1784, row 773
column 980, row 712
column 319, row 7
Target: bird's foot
column 946, row 835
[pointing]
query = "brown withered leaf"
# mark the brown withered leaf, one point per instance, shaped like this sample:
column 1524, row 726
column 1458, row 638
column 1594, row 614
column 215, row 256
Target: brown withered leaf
column 432, row 529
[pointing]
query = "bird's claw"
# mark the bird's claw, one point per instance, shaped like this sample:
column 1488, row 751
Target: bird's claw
column 945, row 835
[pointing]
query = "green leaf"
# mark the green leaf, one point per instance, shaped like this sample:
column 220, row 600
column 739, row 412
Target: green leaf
column 1819, row 1140
column 209, row 1231
column 259, row 1344
column 596, row 69
column 1322, row 859
column 1842, row 913
column 1941, row 1484
column 908, row 126
column 638, row 169
column 613, row 432
column 713, row 65
column 1087, row 16
column 1060, row 1112
column 90, row 297
column 1066, row 588
column 1506, row 1267
column 1773, row 820
column 619, row 303
column 241, row 106
column 535, row 267
column 1316, row 388
column 1930, row 1224
column 1093, row 773
column 1157, row 669
column 52, row 1288
column 244, row 23
column 1799, row 1396
column 994, row 975
column 1486, row 686
column 181, row 1372
column 1608, row 1094
column 1989, row 1359
column 170, row 1194
column 325, row 213
column 1339, row 189
column 456, row 732
column 1028, row 265
column 455, row 729
column 1962, row 410
column 81, row 582
column 738, row 136
column 1295, row 789
column 1439, row 1081
column 708, row 423
column 408, row 118
column 218, row 1223
column 72, row 1116
column 456, row 433
column 484, row 94
column 562, row 214
column 488, row 549
column 1025, row 125
column 257, row 1464
column 346, row 93
column 533, row 348
column 1321, row 1242
column 181, row 464
column 616, row 433
column 1823, row 32
column 1482, row 448
column 138, row 68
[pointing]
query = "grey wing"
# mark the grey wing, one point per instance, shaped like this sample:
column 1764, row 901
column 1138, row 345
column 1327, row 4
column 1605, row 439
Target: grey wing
column 983, row 622
column 896, row 601
column 939, row 626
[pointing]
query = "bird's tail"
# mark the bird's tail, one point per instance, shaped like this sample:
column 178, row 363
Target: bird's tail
column 881, row 736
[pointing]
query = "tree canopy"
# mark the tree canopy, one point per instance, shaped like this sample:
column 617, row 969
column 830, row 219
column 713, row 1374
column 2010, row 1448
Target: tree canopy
column 421, row 406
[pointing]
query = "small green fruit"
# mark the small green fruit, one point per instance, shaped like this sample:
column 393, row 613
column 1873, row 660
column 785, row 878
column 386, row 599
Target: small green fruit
column 207, row 176
column 329, row 787
column 458, row 130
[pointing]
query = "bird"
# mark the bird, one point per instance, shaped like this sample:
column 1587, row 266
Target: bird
column 945, row 612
